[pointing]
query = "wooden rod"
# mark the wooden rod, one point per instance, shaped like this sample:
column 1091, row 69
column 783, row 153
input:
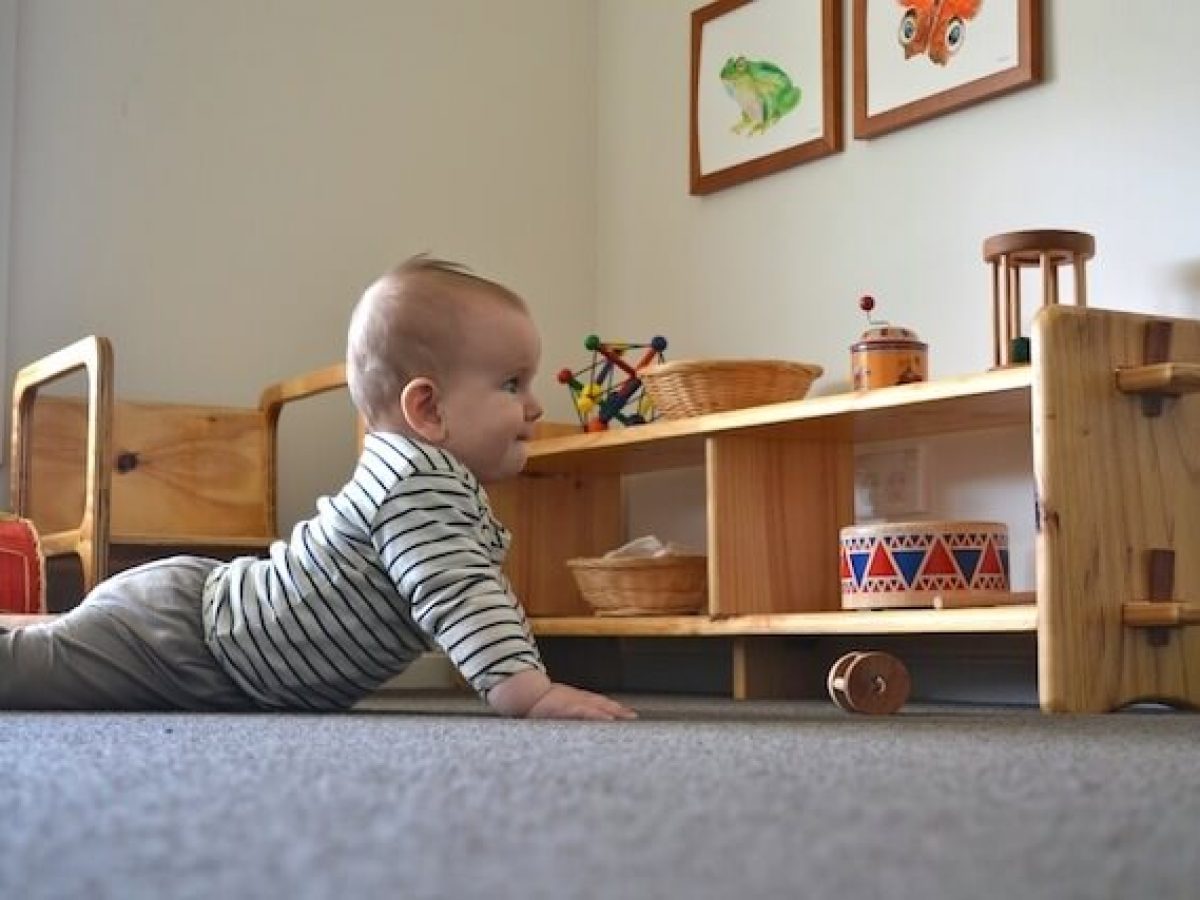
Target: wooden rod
column 999, row 339
column 1049, row 280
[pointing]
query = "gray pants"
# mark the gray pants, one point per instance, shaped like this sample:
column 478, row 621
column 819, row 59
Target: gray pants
column 135, row 643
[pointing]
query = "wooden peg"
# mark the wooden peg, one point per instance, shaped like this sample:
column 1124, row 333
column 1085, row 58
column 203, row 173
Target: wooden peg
column 1156, row 348
column 1161, row 586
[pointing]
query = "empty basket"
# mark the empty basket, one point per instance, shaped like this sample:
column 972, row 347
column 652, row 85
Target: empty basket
column 694, row 387
column 642, row 586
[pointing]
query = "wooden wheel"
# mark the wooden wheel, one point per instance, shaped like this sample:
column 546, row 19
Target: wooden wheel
column 836, row 682
column 874, row 683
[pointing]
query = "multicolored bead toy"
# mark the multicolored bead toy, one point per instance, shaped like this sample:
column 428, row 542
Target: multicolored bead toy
column 612, row 389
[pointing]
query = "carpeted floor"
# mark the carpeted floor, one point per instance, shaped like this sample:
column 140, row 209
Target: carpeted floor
column 435, row 798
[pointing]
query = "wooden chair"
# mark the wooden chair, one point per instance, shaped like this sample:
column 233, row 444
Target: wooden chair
column 99, row 476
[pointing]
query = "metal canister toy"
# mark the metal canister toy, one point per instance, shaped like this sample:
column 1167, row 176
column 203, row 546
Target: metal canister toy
column 887, row 354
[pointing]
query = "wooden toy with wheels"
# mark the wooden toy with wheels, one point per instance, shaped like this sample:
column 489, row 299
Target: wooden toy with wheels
column 871, row 682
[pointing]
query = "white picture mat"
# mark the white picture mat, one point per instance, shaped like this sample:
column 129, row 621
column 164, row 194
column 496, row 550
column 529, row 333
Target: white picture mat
column 786, row 33
column 991, row 45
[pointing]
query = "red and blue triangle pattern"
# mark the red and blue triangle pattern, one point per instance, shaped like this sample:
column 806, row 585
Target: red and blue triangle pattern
column 924, row 559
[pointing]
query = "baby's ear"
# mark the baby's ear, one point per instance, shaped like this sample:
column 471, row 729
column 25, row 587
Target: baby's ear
column 419, row 402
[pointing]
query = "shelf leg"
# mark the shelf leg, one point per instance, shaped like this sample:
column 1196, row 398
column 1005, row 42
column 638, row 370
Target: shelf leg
column 774, row 668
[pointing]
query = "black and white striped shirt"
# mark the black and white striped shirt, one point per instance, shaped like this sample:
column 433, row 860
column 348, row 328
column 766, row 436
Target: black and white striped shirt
column 406, row 557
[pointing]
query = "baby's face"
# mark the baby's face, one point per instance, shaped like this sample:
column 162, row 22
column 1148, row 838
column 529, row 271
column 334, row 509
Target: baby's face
column 488, row 405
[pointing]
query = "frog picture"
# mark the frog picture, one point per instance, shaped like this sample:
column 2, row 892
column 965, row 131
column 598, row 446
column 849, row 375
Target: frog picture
column 762, row 90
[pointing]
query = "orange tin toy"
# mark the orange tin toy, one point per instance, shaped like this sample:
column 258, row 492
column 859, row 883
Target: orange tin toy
column 887, row 354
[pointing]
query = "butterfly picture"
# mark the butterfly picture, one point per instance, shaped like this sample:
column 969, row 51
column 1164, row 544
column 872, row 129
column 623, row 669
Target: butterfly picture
column 937, row 28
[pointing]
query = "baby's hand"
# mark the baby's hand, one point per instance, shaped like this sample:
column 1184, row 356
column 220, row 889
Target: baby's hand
column 532, row 695
column 564, row 702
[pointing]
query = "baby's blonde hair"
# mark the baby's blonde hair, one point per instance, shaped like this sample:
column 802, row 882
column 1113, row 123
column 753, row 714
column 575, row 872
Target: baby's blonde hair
column 409, row 324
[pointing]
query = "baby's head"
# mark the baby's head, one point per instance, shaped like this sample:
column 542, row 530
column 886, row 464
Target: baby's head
column 439, row 354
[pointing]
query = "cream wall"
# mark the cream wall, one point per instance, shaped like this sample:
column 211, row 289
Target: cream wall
column 773, row 267
column 1106, row 144
column 8, row 84
column 211, row 184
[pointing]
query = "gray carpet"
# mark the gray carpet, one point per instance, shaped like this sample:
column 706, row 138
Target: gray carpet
column 698, row 799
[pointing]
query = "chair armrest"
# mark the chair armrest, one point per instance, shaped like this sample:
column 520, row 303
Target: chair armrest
column 271, row 402
column 274, row 397
column 94, row 355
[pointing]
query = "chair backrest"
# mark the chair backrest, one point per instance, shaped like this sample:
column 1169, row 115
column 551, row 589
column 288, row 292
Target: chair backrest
column 97, row 473
column 178, row 472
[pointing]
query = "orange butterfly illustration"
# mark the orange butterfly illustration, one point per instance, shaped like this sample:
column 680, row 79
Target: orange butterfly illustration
column 936, row 27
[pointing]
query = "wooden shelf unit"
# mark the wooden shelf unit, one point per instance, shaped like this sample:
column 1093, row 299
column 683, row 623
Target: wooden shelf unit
column 1114, row 482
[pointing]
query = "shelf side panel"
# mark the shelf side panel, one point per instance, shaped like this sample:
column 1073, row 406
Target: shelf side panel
column 774, row 512
column 1113, row 484
column 552, row 519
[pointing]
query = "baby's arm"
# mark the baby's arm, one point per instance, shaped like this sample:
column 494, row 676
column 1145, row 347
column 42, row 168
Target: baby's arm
column 531, row 694
column 427, row 538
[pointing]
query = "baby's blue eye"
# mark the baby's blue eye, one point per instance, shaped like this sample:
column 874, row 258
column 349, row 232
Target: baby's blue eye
column 513, row 385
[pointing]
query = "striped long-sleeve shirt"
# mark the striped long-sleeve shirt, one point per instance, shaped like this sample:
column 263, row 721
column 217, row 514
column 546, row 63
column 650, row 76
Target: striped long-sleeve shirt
column 405, row 558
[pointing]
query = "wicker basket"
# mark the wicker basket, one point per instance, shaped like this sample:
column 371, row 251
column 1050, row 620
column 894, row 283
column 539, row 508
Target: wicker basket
column 642, row 586
column 694, row 387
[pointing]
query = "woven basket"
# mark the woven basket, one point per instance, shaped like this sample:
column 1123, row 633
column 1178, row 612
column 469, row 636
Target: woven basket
column 694, row 387
column 645, row 586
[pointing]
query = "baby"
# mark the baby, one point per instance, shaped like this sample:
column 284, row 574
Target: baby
column 404, row 559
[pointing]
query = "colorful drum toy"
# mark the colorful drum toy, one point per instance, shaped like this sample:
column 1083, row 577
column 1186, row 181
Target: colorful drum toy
column 930, row 564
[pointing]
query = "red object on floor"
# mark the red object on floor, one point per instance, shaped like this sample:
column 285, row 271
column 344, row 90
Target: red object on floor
column 22, row 567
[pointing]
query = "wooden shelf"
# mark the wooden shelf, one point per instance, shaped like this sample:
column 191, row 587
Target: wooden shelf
column 896, row 621
column 1117, row 478
column 986, row 400
column 893, row 621
column 776, row 469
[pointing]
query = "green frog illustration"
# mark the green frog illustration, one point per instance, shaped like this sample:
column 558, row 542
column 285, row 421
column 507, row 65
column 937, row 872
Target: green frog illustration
column 764, row 92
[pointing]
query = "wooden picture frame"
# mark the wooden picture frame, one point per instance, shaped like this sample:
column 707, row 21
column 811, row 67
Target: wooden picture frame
column 909, row 67
column 766, row 90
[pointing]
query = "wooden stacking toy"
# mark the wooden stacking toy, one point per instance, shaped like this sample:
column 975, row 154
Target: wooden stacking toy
column 1013, row 251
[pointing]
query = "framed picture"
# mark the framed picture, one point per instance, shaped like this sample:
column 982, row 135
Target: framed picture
column 917, row 59
column 766, row 88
